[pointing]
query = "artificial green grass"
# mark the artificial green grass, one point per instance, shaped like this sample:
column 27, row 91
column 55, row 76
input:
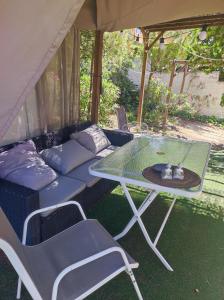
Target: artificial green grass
column 192, row 242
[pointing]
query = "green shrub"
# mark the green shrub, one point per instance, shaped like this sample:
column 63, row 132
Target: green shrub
column 222, row 101
column 108, row 99
column 129, row 92
column 84, row 96
column 187, row 115
column 154, row 102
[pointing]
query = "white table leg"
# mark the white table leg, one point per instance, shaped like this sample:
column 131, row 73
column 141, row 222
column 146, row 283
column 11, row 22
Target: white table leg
column 164, row 222
column 148, row 200
column 137, row 218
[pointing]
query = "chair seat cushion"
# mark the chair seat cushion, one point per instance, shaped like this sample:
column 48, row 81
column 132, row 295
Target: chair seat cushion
column 59, row 191
column 106, row 152
column 82, row 173
column 80, row 241
column 67, row 156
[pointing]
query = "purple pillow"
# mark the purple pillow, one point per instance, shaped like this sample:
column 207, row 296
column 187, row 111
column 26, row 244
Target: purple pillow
column 23, row 165
column 15, row 157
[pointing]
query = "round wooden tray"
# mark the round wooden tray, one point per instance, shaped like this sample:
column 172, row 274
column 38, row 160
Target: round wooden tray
column 191, row 179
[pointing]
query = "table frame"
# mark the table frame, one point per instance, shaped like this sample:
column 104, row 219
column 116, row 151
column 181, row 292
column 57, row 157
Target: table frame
column 137, row 218
column 154, row 191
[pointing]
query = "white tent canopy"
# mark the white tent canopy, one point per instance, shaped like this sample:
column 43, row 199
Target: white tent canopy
column 112, row 15
column 31, row 31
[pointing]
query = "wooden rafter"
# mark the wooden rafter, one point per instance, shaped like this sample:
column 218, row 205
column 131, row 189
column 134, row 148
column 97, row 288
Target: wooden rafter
column 188, row 23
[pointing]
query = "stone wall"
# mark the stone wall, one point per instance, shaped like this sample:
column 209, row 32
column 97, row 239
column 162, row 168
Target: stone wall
column 205, row 90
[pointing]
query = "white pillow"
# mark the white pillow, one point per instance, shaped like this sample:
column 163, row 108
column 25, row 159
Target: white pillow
column 67, row 156
column 93, row 138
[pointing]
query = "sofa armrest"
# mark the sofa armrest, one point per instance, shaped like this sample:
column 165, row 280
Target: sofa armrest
column 118, row 138
column 17, row 203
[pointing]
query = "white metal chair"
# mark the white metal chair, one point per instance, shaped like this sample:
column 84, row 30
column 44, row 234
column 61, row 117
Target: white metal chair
column 70, row 265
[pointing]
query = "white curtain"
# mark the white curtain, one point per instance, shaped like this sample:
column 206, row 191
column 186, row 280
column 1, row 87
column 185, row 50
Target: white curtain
column 54, row 103
column 58, row 88
column 31, row 31
column 26, row 123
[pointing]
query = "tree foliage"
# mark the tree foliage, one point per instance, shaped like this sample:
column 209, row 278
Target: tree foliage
column 118, row 54
column 208, row 55
column 204, row 55
column 128, row 90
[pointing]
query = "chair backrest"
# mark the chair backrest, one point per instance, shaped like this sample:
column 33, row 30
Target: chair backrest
column 16, row 254
column 122, row 119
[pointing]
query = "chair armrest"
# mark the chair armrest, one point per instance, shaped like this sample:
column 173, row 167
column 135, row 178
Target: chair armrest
column 118, row 138
column 17, row 202
column 85, row 261
column 52, row 207
column 35, row 213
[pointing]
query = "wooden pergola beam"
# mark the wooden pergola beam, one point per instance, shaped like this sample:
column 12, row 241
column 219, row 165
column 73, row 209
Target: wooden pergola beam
column 172, row 75
column 147, row 47
column 155, row 40
column 97, row 76
column 188, row 23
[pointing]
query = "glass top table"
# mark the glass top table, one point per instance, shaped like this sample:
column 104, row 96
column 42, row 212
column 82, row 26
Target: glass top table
column 127, row 163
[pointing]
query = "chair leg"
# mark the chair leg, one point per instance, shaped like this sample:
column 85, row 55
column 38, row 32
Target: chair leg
column 135, row 284
column 19, row 286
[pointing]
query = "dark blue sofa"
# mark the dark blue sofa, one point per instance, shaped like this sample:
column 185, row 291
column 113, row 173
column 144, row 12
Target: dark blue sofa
column 18, row 201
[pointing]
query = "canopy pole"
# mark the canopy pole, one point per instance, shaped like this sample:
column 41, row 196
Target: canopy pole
column 147, row 47
column 97, row 76
column 172, row 75
column 145, row 34
column 91, row 83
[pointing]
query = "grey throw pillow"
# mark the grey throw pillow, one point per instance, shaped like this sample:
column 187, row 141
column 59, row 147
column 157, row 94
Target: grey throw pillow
column 67, row 156
column 93, row 138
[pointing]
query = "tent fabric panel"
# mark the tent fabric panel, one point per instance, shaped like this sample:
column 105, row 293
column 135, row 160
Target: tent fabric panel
column 30, row 32
column 86, row 19
column 54, row 103
column 115, row 15
column 25, row 124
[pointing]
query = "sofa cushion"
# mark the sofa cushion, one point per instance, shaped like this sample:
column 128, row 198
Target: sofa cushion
column 67, row 156
column 82, row 173
column 93, row 138
column 23, row 165
column 59, row 191
column 106, row 152
column 16, row 156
